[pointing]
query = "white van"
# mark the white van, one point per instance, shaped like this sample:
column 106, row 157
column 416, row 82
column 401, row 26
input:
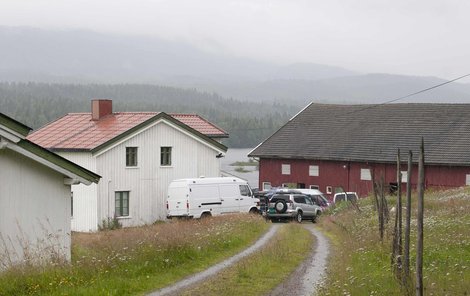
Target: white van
column 202, row 197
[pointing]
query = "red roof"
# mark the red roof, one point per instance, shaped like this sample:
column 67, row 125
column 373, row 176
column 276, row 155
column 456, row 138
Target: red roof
column 78, row 131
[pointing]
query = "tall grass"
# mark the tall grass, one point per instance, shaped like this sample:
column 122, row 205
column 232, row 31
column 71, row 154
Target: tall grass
column 360, row 264
column 134, row 260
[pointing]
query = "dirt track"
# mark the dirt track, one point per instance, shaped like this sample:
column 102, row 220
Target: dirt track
column 303, row 281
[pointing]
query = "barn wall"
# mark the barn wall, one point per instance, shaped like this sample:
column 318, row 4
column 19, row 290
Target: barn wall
column 34, row 210
column 347, row 175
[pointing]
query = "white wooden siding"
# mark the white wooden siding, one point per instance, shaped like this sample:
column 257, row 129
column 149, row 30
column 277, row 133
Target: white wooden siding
column 34, row 209
column 85, row 200
column 148, row 182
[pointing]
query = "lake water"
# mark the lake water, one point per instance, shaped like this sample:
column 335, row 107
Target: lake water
column 234, row 155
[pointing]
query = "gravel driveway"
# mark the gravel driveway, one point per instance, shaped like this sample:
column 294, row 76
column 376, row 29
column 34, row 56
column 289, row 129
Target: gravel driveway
column 303, row 281
column 201, row 276
column 310, row 274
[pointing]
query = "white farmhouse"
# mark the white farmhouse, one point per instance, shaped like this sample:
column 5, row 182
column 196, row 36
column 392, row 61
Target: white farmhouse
column 137, row 154
column 35, row 203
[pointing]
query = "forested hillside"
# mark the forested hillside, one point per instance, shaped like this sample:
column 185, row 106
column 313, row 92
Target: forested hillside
column 248, row 123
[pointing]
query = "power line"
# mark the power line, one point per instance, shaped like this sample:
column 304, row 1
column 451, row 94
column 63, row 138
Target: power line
column 407, row 96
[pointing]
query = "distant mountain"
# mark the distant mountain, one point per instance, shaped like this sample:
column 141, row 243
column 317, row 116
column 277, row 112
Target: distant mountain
column 80, row 56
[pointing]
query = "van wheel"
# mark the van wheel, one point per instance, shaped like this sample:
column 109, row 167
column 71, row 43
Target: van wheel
column 205, row 215
column 253, row 211
column 298, row 217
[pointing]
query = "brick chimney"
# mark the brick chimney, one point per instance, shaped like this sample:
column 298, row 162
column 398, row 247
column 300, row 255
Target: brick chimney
column 101, row 108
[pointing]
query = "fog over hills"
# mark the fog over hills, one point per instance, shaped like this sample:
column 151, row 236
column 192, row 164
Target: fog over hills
column 80, row 56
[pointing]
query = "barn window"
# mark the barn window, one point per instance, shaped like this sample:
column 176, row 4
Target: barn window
column 266, row 186
column 121, row 203
column 329, row 190
column 467, row 182
column 131, row 156
column 313, row 171
column 404, row 176
column 165, row 156
column 285, row 170
column 314, row 187
column 365, row 175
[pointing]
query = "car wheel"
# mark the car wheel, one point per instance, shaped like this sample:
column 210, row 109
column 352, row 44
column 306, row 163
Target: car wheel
column 280, row 206
column 298, row 217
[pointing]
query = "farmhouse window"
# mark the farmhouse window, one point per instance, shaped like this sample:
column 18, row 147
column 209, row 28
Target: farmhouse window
column 121, row 203
column 165, row 156
column 131, row 156
column 266, row 185
column 285, row 170
column 467, row 182
column 365, row 175
column 313, row 171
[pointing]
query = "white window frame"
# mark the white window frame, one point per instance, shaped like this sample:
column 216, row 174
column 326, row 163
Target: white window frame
column 166, row 155
column 404, row 176
column 266, row 186
column 314, row 187
column 120, row 195
column 314, row 170
column 132, row 156
column 467, row 180
column 285, row 169
column 366, row 175
column 329, row 189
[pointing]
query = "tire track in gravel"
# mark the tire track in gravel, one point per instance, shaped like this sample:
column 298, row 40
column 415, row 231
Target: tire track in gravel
column 310, row 274
column 213, row 270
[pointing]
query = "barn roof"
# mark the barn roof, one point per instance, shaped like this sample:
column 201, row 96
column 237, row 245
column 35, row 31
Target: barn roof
column 13, row 136
column 77, row 131
column 373, row 133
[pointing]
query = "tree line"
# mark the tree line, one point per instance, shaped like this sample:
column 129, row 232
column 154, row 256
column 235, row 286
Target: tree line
column 248, row 123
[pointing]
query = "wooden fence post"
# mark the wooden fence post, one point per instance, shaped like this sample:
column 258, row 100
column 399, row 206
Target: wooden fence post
column 420, row 243
column 406, row 260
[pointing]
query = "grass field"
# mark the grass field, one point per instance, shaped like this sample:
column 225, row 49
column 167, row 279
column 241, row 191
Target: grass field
column 360, row 263
column 132, row 261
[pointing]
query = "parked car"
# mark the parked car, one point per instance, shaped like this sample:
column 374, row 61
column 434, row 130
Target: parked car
column 342, row 196
column 290, row 205
column 317, row 196
column 202, row 197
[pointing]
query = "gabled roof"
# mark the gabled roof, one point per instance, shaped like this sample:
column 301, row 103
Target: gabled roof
column 37, row 153
column 14, row 125
column 78, row 132
column 373, row 133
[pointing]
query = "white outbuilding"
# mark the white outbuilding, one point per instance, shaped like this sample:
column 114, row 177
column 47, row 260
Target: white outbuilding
column 35, row 198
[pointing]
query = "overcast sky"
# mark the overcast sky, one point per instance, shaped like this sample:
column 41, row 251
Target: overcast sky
column 421, row 37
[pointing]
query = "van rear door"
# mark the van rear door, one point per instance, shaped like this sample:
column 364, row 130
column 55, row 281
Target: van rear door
column 178, row 194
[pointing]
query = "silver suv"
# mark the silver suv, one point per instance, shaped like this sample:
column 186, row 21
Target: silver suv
column 292, row 205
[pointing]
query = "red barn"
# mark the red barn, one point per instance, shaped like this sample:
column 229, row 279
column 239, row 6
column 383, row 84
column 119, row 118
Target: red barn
column 335, row 147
